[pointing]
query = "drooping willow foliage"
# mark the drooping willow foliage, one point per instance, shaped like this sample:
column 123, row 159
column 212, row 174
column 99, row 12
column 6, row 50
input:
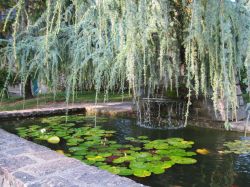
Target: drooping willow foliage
column 139, row 45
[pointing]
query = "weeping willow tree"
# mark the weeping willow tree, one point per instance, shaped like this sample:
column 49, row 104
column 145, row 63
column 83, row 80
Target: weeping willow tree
column 138, row 45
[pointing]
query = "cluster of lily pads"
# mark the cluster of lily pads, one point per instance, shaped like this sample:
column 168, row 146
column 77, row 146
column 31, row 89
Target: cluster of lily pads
column 139, row 157
column 237, row 147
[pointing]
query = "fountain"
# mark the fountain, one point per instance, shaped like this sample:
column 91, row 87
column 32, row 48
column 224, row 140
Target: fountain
column 161, row 113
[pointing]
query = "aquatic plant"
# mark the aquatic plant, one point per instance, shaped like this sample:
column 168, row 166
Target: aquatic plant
column 237, row 147
column 91, row 144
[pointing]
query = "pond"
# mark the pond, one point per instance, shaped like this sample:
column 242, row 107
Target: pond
column 211, row 169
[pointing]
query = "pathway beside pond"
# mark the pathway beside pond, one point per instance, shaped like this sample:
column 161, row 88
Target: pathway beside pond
column 26, row 164
column 112, row 108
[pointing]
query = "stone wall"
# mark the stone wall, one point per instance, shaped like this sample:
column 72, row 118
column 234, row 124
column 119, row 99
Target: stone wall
column 25, row 164
column 202, row 109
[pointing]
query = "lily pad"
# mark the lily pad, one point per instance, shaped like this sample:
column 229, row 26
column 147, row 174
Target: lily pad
column 156, row 170
column 142, row 137
column 123, row 159
column 130, row 139
column 182, row 160
column 137, row 165
column 141, row 173
column 105, row 154
column 111, row 169
column 125, row 171
column 95, row 158
column 237, row 147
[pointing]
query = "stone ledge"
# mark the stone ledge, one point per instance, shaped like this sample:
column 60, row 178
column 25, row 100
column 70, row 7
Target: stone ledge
column 112, row 109
column 240, row 126
column 39, row 166
column 219, row 125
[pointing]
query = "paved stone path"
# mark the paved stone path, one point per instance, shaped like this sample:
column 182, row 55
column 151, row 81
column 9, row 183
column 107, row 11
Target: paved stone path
column 26, row 164
column 113, row 108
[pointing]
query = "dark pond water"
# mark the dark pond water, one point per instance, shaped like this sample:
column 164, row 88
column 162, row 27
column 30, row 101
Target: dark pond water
column 213, row 169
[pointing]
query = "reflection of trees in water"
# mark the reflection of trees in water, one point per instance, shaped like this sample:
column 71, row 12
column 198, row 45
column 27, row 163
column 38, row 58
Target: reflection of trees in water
column 242, row 167
column 219, row 169
column 242, row 163
column 223, row 173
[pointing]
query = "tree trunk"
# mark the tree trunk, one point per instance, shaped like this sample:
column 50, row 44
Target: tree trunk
column 28, row 89
column 28, row 84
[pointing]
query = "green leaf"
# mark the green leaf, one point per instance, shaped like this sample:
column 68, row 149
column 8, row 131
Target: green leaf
column 125, row 171
column 182, row 160
column 141, row 172
column 123, row 159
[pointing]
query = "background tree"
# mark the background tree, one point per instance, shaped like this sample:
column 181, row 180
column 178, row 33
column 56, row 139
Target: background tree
column 141, row 44
column 23, row 14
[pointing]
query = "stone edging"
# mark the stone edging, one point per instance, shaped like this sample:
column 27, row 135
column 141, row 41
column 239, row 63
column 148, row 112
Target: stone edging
column 26, row 164
column 114, row 108
column 219, row 125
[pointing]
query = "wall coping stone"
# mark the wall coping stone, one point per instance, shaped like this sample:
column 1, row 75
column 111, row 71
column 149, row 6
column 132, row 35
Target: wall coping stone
column 111, row 108
column 26, row 164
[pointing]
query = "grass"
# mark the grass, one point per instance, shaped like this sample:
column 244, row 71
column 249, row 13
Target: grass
column 18, row 103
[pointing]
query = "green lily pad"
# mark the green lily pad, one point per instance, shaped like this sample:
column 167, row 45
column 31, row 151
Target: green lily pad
column 154, row 158
column 105, row 154
column 111, row 169
column 141, row 173
column 125, row 171
column 135, row 148
column 80, row 152
column 77, row 157
column 43, row 137
column 73, row 149
column 95, row 158
column 237, row 147
column 167, row 164
column 161, row 146
column 98, row 164
column 141, row 155
column 137, row 165
column 130, row 139
column 142, row 137
column 156, row 169
column 182, row 160
column 89, row 162
column 180, row 143
column 123, row 159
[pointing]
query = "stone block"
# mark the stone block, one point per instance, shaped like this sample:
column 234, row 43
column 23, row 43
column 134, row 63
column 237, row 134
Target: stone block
column 47, row 155
column 24, row 177
column 51, row 167
column 54, row 181
column 14, row 163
